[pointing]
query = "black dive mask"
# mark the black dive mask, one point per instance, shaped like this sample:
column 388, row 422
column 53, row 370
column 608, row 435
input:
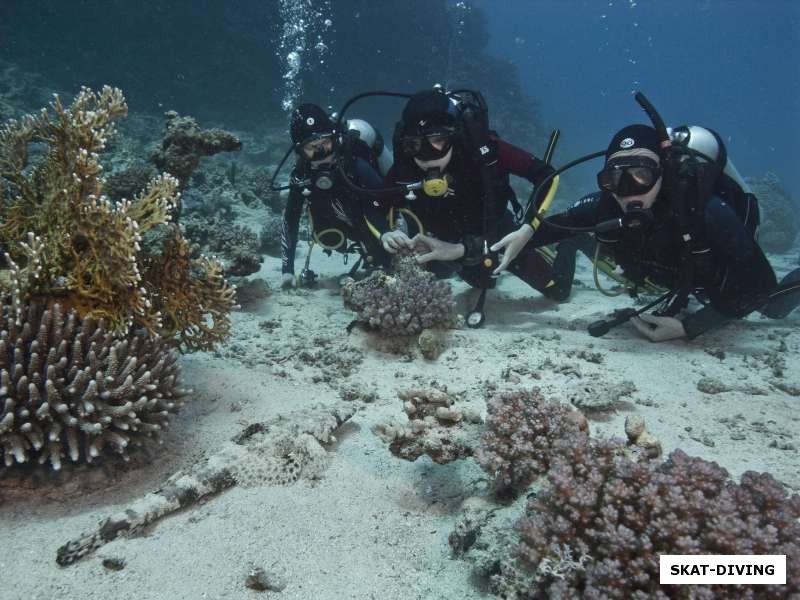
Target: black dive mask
column 423, row 147
column 318, row 152
column 629, row 175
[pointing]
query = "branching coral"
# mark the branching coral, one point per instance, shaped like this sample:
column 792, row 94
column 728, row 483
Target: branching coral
column 70, row 388
column 522, row 430
column 404, row 303
column 611, row 517
column 129, row 182
column 190, row 294
column 88, row 251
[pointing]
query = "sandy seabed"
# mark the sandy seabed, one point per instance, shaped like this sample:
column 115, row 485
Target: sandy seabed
column 375, row 526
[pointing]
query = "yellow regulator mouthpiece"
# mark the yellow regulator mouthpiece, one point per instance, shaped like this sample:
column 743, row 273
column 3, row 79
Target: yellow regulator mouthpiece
column 435, row 187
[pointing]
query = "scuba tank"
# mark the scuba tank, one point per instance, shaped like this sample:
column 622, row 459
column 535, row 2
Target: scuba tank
column 715, row 172
column 708, row 143
column 369, row 135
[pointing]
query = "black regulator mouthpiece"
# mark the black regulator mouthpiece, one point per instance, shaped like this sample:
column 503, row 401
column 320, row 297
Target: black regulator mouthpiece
column 323, row 180
column 637, row 216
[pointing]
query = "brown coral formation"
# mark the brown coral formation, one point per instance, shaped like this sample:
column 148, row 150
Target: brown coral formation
column 184, row 144
column 85, row 251
column 71, row 389
column 404, row 303
column 436, row 427
column 522, row 433
column 601, row 521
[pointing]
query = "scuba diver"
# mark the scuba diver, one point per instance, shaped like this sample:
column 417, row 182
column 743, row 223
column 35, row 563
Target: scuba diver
column 443, row 140
column 672, row 211
column 340, row 219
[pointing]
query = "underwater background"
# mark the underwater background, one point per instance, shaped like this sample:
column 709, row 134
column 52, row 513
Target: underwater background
column 730, row 65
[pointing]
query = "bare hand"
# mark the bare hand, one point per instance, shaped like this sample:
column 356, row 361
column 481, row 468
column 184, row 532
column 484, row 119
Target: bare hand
column 659, row 329
column 394, row 241
column 434, row 249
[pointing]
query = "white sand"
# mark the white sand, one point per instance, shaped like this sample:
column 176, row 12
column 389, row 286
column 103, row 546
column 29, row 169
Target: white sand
column 375, row 526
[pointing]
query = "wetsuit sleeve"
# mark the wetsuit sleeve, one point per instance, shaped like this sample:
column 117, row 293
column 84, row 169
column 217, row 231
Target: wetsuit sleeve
column 290, row 229
column 586, row 212
column 748, row 278
column 524, row 164
column 375, row 212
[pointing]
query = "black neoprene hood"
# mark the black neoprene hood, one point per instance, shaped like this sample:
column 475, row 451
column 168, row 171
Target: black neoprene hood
column 309, row 121
column 635, row 137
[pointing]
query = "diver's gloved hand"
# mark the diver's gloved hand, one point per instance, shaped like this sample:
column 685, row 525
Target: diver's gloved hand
column 511, row 245
column 396, row 240
column 659, row 329
column 288, row 281
column 433, row 249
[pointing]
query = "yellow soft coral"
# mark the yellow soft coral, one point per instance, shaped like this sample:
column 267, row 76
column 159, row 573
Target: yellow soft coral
column 88, row 251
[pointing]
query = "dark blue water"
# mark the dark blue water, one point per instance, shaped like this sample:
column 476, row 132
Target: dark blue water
column 730, row 65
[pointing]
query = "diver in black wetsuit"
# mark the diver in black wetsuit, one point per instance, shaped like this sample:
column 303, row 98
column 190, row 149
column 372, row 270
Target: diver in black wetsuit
column 463, row 205
column 338, row 216
column 729, row 273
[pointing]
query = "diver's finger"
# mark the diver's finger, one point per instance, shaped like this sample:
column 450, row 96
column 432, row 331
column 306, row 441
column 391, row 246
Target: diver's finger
column 421, row 237
column 502, row 243
column 427, row 257
column 504, row 262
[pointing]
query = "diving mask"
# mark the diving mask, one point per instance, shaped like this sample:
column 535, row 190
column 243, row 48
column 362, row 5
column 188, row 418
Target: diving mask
column 629, row 176
column 317, row 149
column 431, row 146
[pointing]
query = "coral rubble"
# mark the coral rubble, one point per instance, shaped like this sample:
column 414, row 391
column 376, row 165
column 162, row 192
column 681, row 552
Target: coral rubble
column 70, row 388
column 435, row 427
column 640, row 439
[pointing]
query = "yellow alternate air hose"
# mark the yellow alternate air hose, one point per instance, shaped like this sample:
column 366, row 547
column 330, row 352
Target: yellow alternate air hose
column 551, row 193
column 613, row 276
column 408, row 213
